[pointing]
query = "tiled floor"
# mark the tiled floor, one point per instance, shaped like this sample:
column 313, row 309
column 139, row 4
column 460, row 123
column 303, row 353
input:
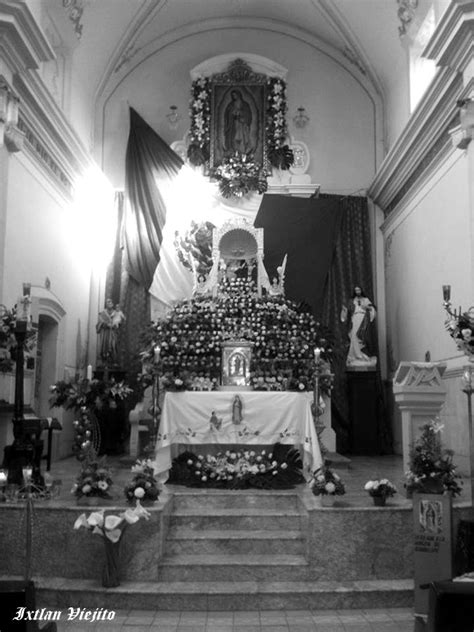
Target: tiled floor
column 390, row 620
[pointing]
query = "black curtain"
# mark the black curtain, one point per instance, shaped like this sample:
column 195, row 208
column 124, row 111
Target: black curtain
column 328, row 242
column 305, row 229
column 149, row 163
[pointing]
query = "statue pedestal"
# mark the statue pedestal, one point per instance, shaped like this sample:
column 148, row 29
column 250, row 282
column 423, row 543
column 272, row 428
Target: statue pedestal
column 420, row 394
column 362, row 395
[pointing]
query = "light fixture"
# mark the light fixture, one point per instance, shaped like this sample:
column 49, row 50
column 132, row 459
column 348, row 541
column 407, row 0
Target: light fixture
column 173, row 117
column 301, row 119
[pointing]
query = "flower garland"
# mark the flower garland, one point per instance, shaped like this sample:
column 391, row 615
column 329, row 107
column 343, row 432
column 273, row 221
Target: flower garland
column 238, row 175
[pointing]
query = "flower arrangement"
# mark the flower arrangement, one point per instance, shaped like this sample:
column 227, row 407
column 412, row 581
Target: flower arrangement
column 238, row 175
column 200, row 112
column 8, row 341
column 92, row 394
column 460, row 326
column 94, row 478
column 279, row 468
column 326, row 482
column 380, row 488
column 143, row 485
column 191, row 334
column 109, row 526
column 431, row 466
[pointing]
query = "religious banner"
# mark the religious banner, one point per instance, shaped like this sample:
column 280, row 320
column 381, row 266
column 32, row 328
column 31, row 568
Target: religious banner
column 433, row 559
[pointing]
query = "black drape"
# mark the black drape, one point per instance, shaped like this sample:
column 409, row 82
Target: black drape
column 328, row 242
column 149, row 162
column 306, row 230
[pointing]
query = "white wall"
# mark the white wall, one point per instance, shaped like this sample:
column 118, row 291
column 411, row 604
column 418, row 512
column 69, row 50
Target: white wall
column 341, row 131
column 428, row 244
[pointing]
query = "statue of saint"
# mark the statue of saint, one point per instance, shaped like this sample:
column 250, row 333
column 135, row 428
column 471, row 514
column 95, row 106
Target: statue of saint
column 110, row 320
column 359, row 314
column 237, row 121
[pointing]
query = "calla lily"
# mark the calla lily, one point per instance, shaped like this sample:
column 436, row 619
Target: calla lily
column 114, row 535
column 130, row 516
column 96, row 519
column 112, row 522
column 81, row 522
column 97, row 531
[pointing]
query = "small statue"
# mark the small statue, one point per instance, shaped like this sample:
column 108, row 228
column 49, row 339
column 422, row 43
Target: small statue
column 277, row 287
column 237, row 410
column 110, row 320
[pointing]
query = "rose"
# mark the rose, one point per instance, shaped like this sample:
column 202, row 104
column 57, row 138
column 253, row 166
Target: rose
column 139, row 492
column 86, row 489
column 330, row 488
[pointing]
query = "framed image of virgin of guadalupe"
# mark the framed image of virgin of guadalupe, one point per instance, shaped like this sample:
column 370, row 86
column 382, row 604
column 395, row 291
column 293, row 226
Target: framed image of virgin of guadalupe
column 238, row 114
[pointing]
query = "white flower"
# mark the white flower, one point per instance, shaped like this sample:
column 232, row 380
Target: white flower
column 96, row 519
column 103, row 485
column 139, row 492
column 189, row 462
column 86, row 489
column 81, row 522
column 320, row 478
column 368, row 486
column 283, row 466
column 114, row 535
column 384, row 481
column 330, row 488
column 112, row 522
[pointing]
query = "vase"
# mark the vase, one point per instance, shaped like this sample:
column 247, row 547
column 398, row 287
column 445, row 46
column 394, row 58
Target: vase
column 111, row 569
column 379, row 501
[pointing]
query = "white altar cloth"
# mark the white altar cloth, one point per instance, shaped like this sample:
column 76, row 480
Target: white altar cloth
column 267, row 418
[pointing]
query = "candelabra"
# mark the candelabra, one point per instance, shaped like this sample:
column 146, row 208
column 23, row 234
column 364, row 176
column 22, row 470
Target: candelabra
column 155, row 409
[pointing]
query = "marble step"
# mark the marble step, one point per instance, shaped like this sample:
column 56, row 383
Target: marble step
column 60, row 593
column 186, row 541
column 208, row 568
column 249, row 519
column 238, row 499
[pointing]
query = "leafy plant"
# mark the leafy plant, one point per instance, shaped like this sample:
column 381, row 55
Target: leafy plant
column 383, row 488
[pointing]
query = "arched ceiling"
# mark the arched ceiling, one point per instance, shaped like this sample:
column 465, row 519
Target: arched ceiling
column 112, row 35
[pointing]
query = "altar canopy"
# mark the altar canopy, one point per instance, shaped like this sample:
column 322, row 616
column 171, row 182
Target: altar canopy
column 267, row 418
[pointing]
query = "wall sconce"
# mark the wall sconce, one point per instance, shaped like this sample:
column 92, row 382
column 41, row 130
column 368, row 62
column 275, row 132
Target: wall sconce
column 301, row 119
column 173, row 117
column 10, row 135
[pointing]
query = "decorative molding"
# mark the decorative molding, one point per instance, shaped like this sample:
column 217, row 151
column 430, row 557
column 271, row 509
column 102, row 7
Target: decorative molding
column 422, row 144
column 75, row 9
column 243, row 66
column 354, row 59
column 23, row 44
column 406, row 13
column 13, row 138
column 460, row 138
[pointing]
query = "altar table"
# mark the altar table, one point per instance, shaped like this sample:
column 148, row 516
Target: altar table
column 267, row 418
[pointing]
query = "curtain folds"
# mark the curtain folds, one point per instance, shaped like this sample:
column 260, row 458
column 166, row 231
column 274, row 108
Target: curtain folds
column 351, row 265
column 150, row 166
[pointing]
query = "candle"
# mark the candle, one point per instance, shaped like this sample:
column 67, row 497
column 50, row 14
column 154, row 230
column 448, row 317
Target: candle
column 157, row 353
column 3, row 478
column 89, row 372
column 317, row 354
column 446, row 293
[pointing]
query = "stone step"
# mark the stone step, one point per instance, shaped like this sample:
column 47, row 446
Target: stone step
column 238, row 499
column 207, row 568
column 60, row 593
column 185, row 541
column 250, row 519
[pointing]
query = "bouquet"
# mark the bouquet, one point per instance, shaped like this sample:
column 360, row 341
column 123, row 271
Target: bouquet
column 111, row 527
column 94, row 479
column 382, row 488
column 325, row 482
column 431, row 466
column 143, row 485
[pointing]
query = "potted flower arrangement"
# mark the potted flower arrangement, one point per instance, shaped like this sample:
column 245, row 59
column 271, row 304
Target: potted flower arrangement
column 432, row 470
column 327, row 484
column 111, row 528
column 380, row 490
column 93, row 482
column 143, row 486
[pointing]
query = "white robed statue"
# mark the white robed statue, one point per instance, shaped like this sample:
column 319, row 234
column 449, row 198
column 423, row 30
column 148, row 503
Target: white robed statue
column 359, row 314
